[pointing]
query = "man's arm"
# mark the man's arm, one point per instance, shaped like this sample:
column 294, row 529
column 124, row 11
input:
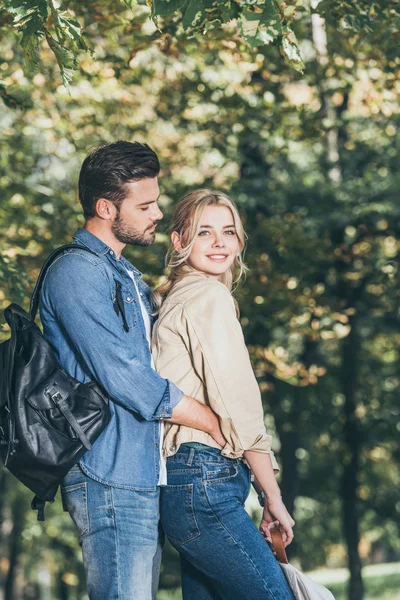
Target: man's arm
column 191, row 413
column 78, row 294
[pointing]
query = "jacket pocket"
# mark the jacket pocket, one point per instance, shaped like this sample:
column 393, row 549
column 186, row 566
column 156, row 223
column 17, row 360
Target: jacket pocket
column 125, row 305
column 177, row 513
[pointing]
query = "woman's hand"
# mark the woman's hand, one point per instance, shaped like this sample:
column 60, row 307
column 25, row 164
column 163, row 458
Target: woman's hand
column 275, row 514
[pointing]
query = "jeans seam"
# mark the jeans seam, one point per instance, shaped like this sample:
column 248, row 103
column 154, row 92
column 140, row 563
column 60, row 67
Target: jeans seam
column 116, row 542
column 268, row 589
column 180, row 471
column 86, row 510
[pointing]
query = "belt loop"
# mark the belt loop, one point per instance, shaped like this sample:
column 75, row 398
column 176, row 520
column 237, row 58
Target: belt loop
column 191, row 457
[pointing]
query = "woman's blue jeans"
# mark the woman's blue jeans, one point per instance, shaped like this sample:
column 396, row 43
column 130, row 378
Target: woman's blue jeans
column 223, row 555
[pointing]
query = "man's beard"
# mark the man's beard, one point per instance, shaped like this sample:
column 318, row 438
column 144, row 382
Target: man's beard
column 129, row 235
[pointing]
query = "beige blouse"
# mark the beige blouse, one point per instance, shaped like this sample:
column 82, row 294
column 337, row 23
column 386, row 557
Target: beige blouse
column 198, row 344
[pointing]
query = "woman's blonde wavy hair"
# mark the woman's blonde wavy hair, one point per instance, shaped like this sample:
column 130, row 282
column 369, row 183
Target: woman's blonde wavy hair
column 186, row 222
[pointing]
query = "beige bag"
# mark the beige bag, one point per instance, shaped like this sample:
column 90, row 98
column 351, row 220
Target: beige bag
column 303, row 587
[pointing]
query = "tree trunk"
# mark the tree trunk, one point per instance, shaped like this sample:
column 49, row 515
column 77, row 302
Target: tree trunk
column 290, row 477
column 352, row 441
column 287, row 430
column 18, row 518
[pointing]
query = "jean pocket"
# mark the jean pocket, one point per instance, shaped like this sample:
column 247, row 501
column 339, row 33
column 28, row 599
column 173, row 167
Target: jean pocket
column 213, row 473
column 177, row 513
column 75, row 501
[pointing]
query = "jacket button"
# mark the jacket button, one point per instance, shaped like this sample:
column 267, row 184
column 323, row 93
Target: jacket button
column 128, row 298
column 172, row 447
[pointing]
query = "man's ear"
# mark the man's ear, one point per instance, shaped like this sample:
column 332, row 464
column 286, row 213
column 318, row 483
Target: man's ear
column 105, row 209
column 176, row 241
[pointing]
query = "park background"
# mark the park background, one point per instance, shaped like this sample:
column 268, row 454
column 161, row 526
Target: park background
column 310, row 153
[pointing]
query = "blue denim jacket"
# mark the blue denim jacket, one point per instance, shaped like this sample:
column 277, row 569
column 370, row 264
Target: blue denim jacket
column 90, row 342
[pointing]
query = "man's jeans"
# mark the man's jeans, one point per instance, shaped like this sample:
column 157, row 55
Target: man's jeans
column 119, row 534
column 223, row 555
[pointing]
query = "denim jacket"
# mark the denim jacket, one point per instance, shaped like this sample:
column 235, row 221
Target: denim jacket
column 91, row 342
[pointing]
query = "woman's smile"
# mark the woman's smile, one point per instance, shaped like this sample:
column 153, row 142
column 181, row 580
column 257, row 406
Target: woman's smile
column 217, row 243
column 217, row 257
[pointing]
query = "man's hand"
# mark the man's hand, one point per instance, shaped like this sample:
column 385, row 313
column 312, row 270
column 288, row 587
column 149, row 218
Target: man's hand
column 216, row 432
column 194, row 414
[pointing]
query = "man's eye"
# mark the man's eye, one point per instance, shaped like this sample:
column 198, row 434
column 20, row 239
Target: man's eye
column 144, row 209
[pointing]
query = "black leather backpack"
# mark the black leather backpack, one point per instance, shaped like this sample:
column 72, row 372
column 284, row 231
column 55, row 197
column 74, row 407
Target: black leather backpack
column 48, row 420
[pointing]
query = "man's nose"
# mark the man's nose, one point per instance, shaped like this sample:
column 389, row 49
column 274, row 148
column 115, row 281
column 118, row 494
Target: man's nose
column 157, row 215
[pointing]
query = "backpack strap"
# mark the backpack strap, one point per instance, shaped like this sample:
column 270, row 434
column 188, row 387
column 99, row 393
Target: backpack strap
column 36, row 292
column 39, row 504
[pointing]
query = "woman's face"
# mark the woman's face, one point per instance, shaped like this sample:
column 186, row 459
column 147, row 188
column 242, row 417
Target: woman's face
column 217, row 244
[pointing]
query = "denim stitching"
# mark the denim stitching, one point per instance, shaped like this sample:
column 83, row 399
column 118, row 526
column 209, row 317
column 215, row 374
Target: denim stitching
column 190, row 488
column 273, row 597
column 182, row 486
column 85, row 505
column 222, row 479
column 199, row 460
column 179, row 471
column 113, row 516
column 73, row 488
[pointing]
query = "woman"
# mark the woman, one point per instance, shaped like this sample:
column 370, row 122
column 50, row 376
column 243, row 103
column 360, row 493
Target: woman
column 198, row 344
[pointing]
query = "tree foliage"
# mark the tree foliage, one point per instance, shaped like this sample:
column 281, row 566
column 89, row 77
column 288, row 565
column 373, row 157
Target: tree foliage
column 311, row 160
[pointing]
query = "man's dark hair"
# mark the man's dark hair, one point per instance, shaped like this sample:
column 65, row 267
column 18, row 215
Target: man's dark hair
column 107, row 169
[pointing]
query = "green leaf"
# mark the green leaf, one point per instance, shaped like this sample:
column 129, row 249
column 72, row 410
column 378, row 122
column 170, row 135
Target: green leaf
column 261, row 28
column 67, row 61
column 72, row 30
column 290, row 49
column 29, row 19
column 229, row 10
column 194, row 16
column 23, row 8
column 129, row 3
column 166, row 8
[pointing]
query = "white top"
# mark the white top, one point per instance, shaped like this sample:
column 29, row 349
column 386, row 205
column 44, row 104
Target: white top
column 162, row 479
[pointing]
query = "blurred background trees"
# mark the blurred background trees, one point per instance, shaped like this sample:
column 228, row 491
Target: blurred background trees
column 311, row 159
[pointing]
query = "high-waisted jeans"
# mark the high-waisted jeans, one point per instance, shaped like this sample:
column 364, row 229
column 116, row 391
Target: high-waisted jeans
column 223, row 555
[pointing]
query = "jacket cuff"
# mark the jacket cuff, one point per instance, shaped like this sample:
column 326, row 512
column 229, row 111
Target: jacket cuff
column 172, row 396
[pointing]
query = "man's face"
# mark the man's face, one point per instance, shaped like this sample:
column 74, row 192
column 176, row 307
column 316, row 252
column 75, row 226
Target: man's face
column 137, row 218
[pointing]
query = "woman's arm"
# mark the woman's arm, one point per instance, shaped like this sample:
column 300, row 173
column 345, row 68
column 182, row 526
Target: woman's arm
column 274, row 509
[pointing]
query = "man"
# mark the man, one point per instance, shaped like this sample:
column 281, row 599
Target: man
column 96, row 314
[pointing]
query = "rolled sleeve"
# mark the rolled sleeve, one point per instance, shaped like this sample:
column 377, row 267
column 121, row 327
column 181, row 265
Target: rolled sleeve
column 172, row 396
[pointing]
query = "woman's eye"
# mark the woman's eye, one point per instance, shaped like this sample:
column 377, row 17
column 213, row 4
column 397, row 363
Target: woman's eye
column 230, row 232
column 204, row 232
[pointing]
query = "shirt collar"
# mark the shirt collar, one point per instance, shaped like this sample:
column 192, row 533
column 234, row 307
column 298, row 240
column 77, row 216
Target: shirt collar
column 84, row 237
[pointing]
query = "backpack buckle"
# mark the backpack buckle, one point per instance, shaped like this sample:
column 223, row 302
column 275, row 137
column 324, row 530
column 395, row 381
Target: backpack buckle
column 54, row 395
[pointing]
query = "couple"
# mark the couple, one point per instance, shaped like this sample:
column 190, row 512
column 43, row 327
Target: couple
column 187, row 423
